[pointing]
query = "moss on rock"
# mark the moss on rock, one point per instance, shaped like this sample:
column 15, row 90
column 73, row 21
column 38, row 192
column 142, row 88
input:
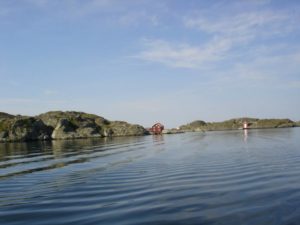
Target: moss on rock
column 23, row 129
column 6, row 116
column 237, row 123
column 273, row 123
column 63, row 125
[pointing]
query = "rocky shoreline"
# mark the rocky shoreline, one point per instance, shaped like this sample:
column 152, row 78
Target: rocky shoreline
column 57, row 125
column 235, row 124
column 63, row 125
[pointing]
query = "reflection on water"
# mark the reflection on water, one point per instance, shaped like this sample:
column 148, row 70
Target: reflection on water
column 40, row 156
column 158, row 139
column 245, row 135
column 192, row 178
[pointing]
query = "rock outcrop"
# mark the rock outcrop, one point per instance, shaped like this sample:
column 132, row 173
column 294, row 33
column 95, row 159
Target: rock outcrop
column 120, row 128
column 273, row 123
column 63, row 125
column 172, row 131
column 67, row 129
column 235, row 124
column 68, row 125
column 197, row 125
column 23, row 129
column 6, row 116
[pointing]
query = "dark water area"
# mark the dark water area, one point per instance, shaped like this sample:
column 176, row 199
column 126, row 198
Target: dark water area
column 233, row 177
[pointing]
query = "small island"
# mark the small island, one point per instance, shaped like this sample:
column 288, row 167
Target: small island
column 63, row 125
column 237, row 123
column 55, row 125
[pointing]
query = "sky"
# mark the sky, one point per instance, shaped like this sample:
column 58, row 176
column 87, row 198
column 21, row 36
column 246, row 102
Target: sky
column 144, row 61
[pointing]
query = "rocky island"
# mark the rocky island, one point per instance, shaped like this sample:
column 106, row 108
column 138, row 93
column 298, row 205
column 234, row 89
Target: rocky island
column 234, row 124
column 74, row 125
column 63, row 125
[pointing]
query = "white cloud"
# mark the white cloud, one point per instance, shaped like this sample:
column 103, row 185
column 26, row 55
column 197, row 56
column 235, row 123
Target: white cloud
column 268, row 69
column 184, row 55
column 115, row 12
column 225, row 34
column 244, row 26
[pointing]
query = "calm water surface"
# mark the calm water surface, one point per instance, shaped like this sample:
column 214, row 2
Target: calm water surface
column 213, row 178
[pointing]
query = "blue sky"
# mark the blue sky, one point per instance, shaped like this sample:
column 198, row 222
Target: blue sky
column 145, row 61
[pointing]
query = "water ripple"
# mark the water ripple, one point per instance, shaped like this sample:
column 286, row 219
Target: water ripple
column 212, row 178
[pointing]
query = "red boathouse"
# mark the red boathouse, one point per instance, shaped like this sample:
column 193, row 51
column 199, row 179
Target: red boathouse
column 157, row 128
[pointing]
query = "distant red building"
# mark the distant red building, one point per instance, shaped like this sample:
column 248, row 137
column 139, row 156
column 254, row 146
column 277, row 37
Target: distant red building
column 157, row 128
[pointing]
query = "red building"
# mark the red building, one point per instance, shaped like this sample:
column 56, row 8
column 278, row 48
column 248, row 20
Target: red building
column 157, row 128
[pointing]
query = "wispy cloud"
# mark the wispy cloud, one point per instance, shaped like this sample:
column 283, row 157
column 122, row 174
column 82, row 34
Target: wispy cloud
column 67, row 9
column 226, row 33
column 182, row 54
column 243, row 26
column 113, row 12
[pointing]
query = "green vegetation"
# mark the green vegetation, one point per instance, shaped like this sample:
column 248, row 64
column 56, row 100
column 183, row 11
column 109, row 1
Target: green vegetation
column 63, row 125
column 24, row 122
column 6, row 116
column 70, row 125
column 234, row 124
column 5, row 125
column 274, row 123
column 76, row 118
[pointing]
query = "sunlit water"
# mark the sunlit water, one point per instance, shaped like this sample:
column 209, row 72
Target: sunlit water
column 229, row 177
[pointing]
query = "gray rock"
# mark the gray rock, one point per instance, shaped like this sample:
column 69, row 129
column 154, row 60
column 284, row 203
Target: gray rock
column 63, row 125
column 237, row 123
column 3, row 134
column 108, row 132
column 120, row 128
column 172, row 131
column 66, row 129
column 6, row 116
column 45, row 137
column 81, row 125
column 24, row 129
column 52, row 118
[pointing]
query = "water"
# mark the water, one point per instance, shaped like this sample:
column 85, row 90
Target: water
column 229, row 177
